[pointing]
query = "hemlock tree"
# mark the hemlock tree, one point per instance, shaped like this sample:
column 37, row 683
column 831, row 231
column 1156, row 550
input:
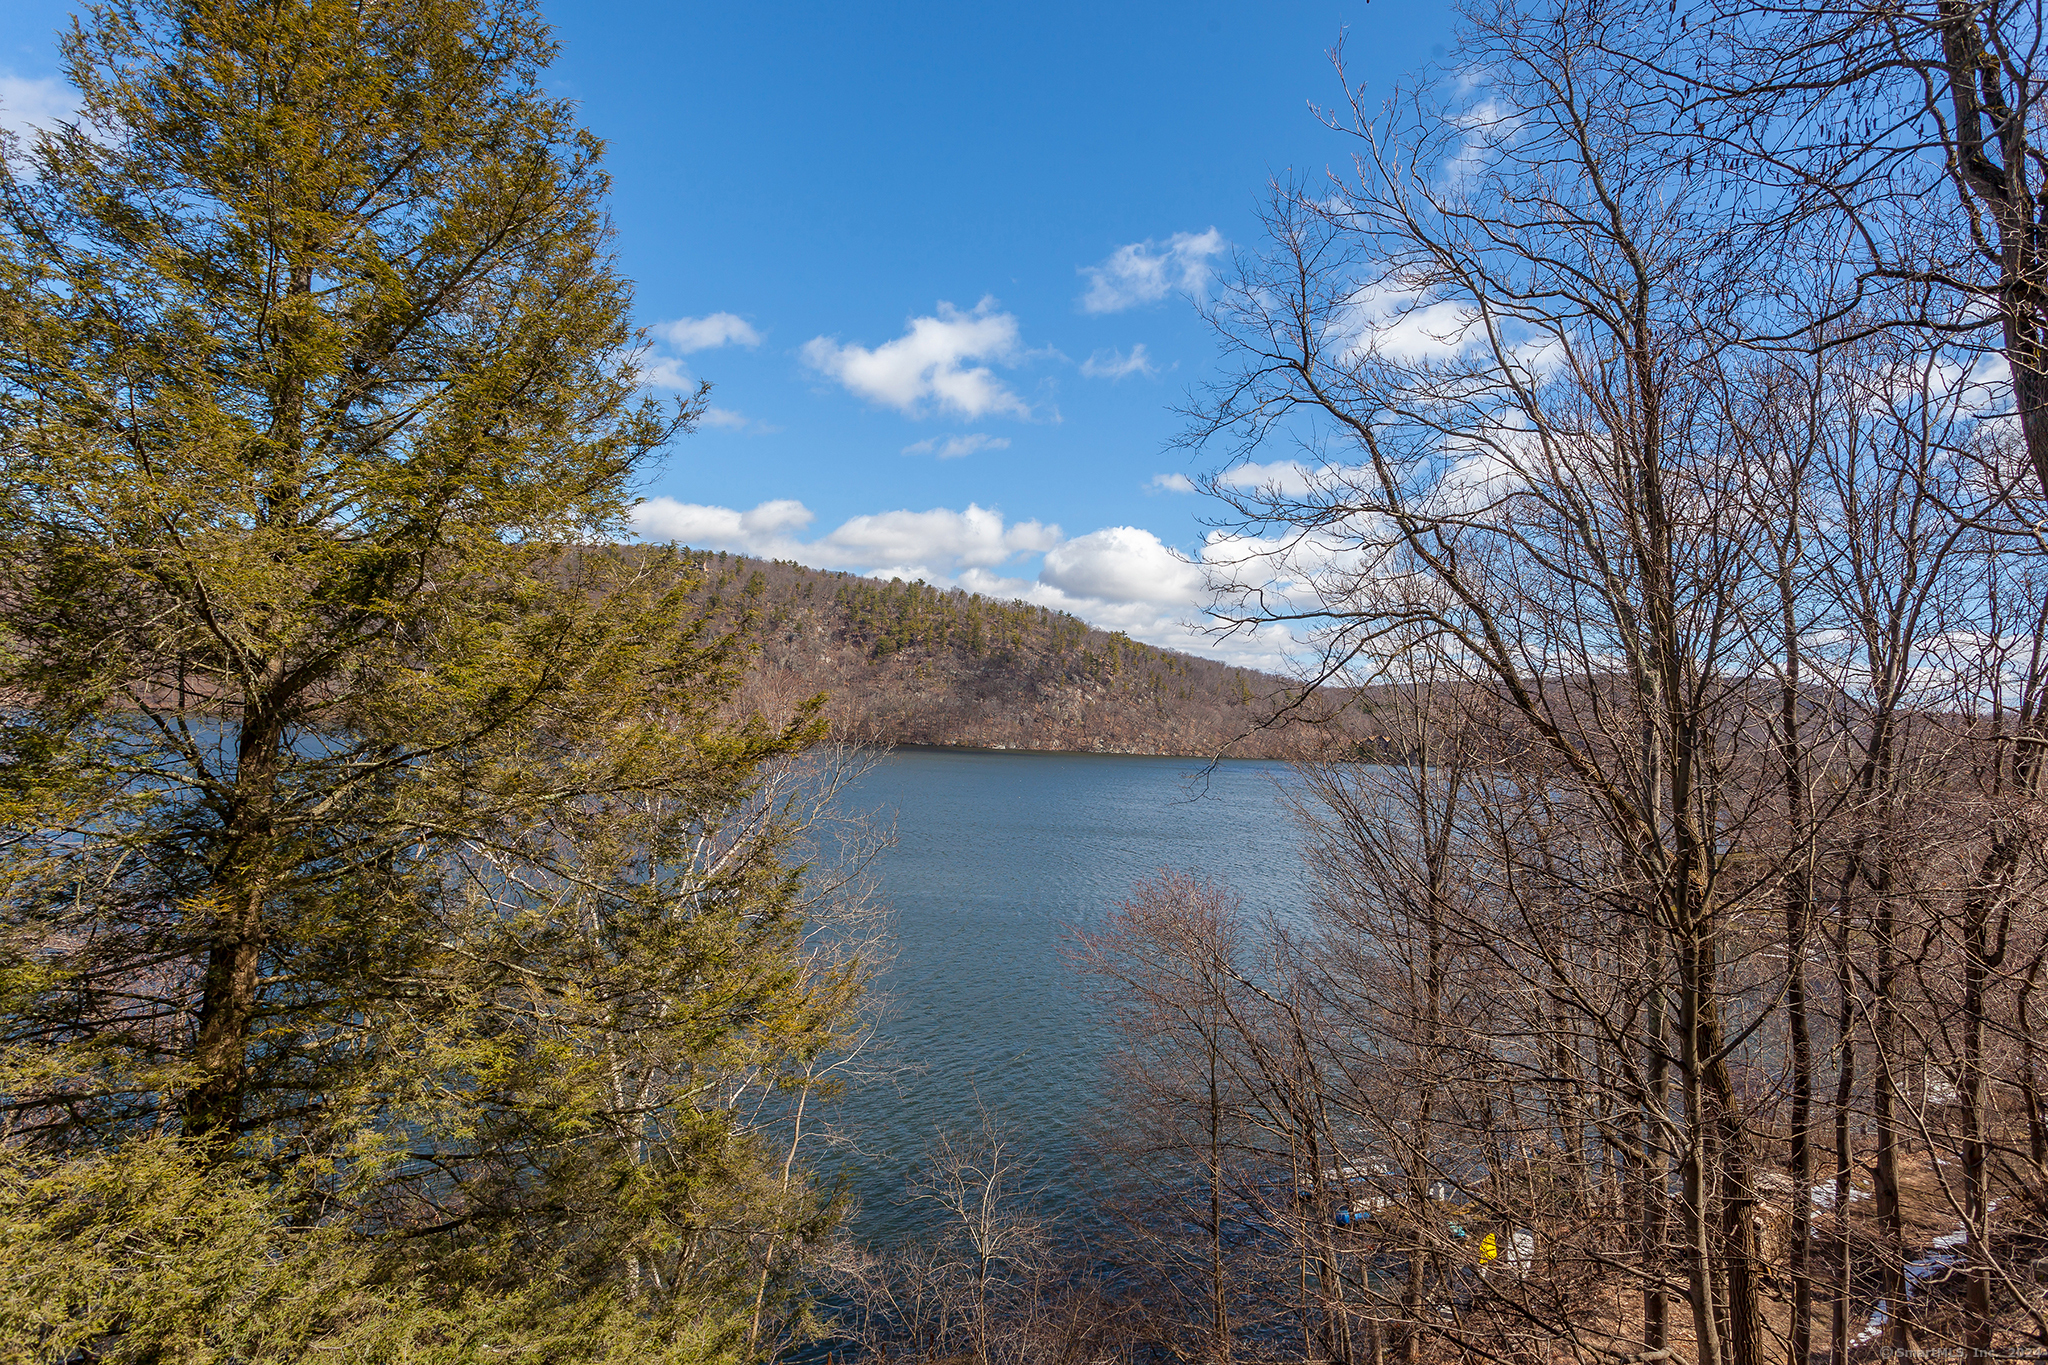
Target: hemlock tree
column 397, row 918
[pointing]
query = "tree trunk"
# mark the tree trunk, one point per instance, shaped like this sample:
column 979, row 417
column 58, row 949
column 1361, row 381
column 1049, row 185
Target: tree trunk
column 1693, row 1168
column 1994, row 171
column 1980, row 959
column 1739, row 1218
column 1798, row 916
column 227, row 1006
column 1845, row 1153
column 1219, row 1309
column 212, row 1108
column 1655, row 1175
column 1884, row 1118
column 1798, row 927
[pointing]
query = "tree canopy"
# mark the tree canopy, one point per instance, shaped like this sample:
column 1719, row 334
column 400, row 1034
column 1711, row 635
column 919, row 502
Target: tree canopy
column 392, row 892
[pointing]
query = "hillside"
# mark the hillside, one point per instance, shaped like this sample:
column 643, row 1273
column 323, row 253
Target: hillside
column 907, row 663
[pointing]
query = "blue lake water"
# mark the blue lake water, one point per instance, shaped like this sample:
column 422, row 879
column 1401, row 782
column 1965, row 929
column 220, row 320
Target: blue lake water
column 999, row 856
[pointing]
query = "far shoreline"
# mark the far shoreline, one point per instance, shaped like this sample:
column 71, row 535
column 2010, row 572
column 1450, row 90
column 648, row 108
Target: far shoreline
column 923, row 747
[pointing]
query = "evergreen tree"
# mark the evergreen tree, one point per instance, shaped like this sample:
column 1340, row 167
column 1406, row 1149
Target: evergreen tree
column 395, row 911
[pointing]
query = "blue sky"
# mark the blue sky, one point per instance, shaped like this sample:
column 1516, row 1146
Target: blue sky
column 936, row 259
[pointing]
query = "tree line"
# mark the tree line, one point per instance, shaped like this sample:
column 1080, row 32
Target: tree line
column 912, row 663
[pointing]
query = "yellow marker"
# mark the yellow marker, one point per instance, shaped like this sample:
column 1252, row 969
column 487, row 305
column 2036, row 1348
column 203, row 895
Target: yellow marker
column 1487, row 1249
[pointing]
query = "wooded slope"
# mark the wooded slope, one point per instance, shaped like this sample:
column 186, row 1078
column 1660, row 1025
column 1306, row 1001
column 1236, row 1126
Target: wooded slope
column 908, row 663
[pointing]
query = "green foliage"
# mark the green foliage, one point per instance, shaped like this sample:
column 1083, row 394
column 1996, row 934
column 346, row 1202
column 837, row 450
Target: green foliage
column 895, row 616
column 143, row 1254
column 396, row 915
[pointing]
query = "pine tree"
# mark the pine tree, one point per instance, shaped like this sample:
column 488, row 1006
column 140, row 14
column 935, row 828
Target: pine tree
column 387, row 882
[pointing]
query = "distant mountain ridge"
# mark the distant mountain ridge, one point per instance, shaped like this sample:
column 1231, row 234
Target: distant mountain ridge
column 909, row 663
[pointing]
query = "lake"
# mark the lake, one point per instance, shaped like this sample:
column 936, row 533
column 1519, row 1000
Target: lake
column 998, row 857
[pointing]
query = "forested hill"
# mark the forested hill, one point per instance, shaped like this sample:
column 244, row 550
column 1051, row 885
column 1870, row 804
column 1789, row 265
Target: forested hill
column 908, row 663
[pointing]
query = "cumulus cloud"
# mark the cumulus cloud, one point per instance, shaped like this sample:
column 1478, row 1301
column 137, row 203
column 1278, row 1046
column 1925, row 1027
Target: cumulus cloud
column 1148, row 621
column 1146, row 272
column 1123, row 564
column 661, row 364
column 1118, row 578
column 1117, row 365
column 1402, row 326
column 1171, row 625
column 1302, row 569
column 1491, row 464
column 975, row 537
column 29, row 105
column 1288, row 478
column 929, row 544
column 721, row 528
column 953, row 447
column 932, row 365
column 664, row 372
column 1486, row 124
column 1171, row 483
column 685, row 335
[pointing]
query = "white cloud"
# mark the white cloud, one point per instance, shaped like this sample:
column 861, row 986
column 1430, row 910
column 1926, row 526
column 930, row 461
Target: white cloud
column 1123, row 564
column 702, row 334
column 1302, row 570
column 1287, row 478
column 1148, row 621
column 1539, row 358
column 975, row 537
column 953, row 447
column 664, row 372
column 1398, row 325
column 931, row 364
column 1486, row 473
column 1171, row 483
column 1487, row 125
column 1118, row 578
column 662, row 367
column 1146, row 272
column 1117, row 365
column 28, row 105
column 726, row 418
column 927, row 544
column 721, row 528
column 1172, row 626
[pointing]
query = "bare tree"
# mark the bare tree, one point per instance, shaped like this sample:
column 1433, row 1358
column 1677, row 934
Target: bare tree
column 1166, row 962
column 1536, row 489
column 989, row 1281
column 1710, row 608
